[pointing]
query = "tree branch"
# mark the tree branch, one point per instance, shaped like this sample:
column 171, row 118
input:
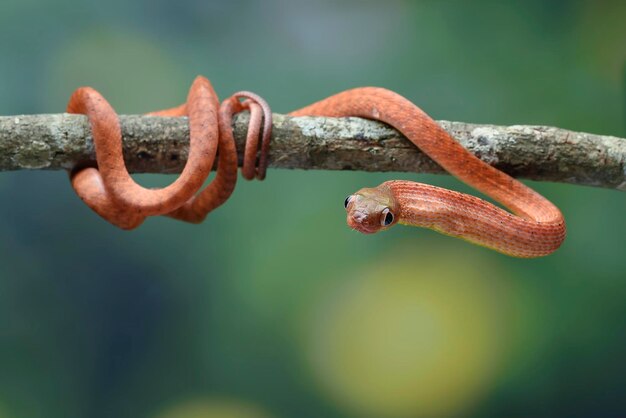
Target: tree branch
column 159, row 145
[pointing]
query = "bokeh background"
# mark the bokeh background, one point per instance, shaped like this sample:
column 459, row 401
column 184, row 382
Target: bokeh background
column 273, row 307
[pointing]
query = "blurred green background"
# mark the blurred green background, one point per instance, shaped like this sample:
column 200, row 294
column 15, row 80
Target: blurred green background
column 273, row 307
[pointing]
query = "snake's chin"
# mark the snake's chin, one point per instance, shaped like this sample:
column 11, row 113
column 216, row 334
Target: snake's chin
column 361, row 227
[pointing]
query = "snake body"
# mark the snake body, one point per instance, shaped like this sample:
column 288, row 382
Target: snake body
column 535, row 228
column 112, row 193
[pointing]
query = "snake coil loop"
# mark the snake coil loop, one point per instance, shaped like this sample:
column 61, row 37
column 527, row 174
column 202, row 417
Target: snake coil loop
column 112, row 193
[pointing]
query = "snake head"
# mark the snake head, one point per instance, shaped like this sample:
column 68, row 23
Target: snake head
column 371, row 210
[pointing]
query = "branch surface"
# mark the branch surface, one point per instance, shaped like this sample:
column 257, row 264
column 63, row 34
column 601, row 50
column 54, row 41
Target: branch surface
column 160, row 145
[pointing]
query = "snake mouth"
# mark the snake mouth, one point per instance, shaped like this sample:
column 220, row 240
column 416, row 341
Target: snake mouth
column 357, row 220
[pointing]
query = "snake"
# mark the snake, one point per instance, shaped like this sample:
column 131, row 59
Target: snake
column 534, row 227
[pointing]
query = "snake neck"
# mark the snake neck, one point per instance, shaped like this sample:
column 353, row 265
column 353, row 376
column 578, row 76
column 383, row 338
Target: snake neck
column 475, row 220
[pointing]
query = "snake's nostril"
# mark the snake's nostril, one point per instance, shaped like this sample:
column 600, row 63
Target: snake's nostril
column 359, row 217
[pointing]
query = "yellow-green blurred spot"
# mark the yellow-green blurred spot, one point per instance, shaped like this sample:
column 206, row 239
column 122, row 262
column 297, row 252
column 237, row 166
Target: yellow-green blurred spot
column 213, row 408
column 409, row 337
column 134, row 73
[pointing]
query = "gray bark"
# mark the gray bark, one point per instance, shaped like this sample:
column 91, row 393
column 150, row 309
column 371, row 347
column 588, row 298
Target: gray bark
column 159, row 145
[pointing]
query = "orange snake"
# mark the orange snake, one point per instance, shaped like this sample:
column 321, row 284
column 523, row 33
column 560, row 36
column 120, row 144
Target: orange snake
column 536, row 229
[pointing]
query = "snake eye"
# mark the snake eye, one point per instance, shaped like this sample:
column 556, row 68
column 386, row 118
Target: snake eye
column 347, row 201
column 387, row 218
